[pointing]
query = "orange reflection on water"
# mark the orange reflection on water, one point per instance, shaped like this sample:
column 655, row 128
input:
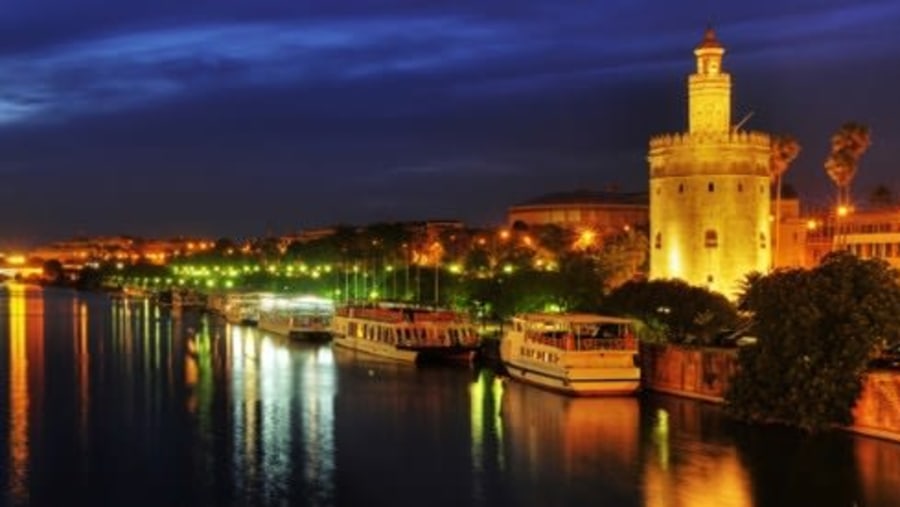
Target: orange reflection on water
column 684, row 470
column 552, row 437
column 82, row 365
column 26, row 353
column 18, row 394
column 878, row 465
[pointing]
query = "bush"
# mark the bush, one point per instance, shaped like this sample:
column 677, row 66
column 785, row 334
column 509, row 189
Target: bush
column 672, row 309
column 816, row 331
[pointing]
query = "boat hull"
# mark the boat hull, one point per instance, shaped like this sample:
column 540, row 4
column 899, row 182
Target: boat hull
column 304, row 334
column 376, row 348
column 600, row 382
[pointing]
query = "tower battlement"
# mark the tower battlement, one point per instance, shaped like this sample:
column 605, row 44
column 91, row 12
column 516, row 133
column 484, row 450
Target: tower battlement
column 679, row 139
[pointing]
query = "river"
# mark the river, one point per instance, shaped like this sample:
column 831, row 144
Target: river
column 108, row 402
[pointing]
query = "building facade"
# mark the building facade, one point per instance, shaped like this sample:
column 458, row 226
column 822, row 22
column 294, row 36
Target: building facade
column 603, row 212
column 709, row 188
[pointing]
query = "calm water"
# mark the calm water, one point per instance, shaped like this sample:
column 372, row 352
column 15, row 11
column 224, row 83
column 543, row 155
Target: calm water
column 109, row 403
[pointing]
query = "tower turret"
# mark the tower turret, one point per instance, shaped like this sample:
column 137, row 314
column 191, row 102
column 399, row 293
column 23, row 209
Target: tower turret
column 709, row 89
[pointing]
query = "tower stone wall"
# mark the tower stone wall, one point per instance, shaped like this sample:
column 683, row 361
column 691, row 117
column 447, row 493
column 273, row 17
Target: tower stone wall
column 709, row 189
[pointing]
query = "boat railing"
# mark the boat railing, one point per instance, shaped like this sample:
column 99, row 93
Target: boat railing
column 393, row 315
column 567, row 341
column 463, row 338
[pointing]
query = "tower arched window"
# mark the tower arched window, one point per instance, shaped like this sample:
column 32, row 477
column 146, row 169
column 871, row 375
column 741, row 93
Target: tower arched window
column 711, row 238
column 681, row 188
column 762, row 240
column 657, row 241
column 711, row 187
column 740, row 187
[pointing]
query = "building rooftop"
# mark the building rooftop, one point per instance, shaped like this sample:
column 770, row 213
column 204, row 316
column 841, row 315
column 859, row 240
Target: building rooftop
column 709, row 40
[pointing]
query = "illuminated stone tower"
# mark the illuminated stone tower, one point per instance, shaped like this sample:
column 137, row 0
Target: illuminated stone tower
column 709, row 188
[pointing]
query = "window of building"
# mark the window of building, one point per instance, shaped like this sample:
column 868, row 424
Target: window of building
column 888, row 249
column 740, row 187
column 709, row 279
column 762, row 240
column 762, row 189
column 681, row 188
column 657, row 241
column 711, row 239
column 711, row 187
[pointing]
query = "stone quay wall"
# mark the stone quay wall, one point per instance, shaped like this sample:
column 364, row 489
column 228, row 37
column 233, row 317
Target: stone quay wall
column 705, row 374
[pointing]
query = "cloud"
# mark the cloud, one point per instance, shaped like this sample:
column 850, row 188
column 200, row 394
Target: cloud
column 123, row 71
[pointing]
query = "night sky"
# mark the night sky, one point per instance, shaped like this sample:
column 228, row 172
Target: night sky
column 236, row 118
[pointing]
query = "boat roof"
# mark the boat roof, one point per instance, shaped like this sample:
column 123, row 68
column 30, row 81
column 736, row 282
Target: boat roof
column 572, row 318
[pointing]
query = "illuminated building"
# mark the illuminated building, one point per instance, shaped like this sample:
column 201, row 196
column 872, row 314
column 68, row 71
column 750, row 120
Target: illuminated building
column 789, row 241
column 76, row 253
column 709, row 188
column 603, row 212
column 869, row 234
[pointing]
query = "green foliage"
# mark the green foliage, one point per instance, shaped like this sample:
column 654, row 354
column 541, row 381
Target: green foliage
column 816, row 330
column 622, row 256
column 673, row 310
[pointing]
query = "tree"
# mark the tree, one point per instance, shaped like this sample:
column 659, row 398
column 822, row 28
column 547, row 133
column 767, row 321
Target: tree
column 673, row 311
column 816, row 331
column 784, row 149
column 54, row 274
column 848, row 145
column 623, row 257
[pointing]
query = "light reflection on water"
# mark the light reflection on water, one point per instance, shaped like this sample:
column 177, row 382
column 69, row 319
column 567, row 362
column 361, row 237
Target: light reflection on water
column 125, row 403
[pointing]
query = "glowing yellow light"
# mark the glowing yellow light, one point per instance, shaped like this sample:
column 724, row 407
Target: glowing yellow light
column 674, row 262
column 16, row 260
column 811, row 225
column 508, row 268
column 504, row 234
column 843, row 211
column 586, row 239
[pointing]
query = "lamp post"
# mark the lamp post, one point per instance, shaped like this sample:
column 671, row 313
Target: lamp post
column 436, row 253
column 841, row 214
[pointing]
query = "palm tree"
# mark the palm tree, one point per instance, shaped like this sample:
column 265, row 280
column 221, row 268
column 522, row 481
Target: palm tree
column 848, row 145
column 784, row 149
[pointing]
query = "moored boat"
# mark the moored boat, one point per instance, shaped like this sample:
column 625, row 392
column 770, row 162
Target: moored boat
column 406, row 333
column 304, row 317
column 576, row 354
column 187, row 300
column 242, row 309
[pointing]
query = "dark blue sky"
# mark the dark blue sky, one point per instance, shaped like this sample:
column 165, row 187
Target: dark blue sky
column 223, row 117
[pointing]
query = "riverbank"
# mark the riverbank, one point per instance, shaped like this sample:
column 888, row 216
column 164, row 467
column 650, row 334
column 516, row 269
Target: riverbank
column 706, row 373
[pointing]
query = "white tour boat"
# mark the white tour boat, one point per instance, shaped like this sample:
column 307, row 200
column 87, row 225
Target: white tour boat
column 405, row 333
column 576, row 354
column 241, row 309
column 306, row 317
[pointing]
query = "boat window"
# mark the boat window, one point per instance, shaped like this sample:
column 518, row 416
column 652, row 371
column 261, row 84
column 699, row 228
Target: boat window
column 608, row 331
